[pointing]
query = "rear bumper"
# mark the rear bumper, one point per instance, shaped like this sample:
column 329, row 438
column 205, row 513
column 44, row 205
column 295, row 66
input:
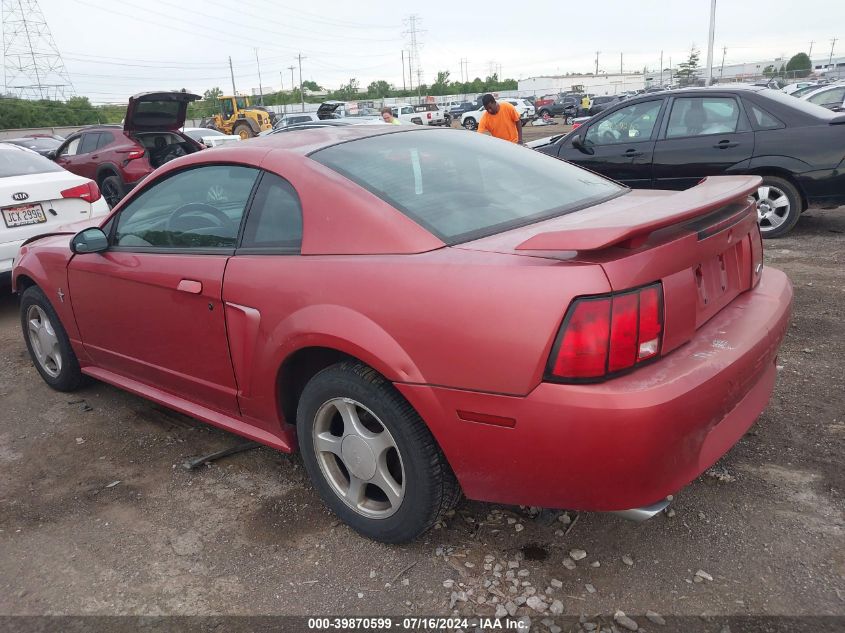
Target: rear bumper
column 628, row 442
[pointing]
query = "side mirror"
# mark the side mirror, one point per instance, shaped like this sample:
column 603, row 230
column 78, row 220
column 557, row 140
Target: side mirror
column 52, row 154
column 578, row 143
column 91, row 240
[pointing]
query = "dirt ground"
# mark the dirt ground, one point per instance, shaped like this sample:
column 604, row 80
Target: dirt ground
column 98, row 516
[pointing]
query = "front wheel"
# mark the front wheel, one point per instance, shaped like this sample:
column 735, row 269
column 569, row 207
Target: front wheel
column 778, row 206
column 243, row 130
column 47, row 342
column 470, row 123
column 370, row 456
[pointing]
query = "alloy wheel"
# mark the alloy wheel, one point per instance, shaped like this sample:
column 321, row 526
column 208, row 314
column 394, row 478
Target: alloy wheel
column 359, row 458
column 772, row 207
column 44, row 341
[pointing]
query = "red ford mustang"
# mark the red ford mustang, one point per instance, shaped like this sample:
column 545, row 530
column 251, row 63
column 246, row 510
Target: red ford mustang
column 425, row 313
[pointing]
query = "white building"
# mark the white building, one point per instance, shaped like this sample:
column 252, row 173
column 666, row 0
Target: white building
column 599, row 85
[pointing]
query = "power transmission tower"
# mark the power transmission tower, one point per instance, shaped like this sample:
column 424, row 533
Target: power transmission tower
column 32, row 65
column 722, row 69
column 412, row 32
column 810, row 54
column 832, row 46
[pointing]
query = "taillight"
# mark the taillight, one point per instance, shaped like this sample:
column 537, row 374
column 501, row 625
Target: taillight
column 602, row 336
column 134, row 153
column 88, row 191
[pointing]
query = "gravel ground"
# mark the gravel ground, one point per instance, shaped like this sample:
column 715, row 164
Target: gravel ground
column 97, row 515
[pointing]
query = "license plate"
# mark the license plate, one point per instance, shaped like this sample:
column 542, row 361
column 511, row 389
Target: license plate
column 23, row 215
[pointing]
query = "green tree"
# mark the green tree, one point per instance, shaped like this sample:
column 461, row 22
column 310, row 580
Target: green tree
column 769, row 71
column 687, row 71
column 379, row 89
column 311, row 85
column 212, row 93
column 799, row 65
column 441, row 84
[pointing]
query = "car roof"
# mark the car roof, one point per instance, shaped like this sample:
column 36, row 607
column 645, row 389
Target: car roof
column 312, row 140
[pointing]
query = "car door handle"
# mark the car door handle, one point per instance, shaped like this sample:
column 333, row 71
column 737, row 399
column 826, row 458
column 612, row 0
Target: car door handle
column 632, row 153
column 189, row 285
column 725, row 144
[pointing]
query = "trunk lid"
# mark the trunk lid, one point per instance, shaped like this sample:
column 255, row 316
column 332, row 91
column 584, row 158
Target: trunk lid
column 702, row 244
column 327, row 109
column 157, row 111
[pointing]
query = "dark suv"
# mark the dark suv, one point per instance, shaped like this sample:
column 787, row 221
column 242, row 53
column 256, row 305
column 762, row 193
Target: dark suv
column 118, row 157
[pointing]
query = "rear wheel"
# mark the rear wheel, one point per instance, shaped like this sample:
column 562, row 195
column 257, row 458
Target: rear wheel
column 243, row 130
column 47, row 342
column 370, row 456
column 112, row 189
column 778, row 206
column 470, row 123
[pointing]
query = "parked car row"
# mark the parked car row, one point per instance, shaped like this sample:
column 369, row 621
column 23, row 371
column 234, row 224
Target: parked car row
column 472, row 118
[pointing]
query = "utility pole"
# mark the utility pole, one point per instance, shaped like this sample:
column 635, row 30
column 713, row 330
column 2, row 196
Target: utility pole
column 709, row 77
column 260, row 87
column 232, row 73
column 597, row 63
column 832, row 45
column 661, row 69
column 281, row 90
column 301, row 93
column 810, row 54
column 292, row 83
column 403, row 70
column 722, row 69
column 621, row 71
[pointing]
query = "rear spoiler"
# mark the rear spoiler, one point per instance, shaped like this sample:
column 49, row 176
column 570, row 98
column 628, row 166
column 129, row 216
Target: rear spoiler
column 602, row 227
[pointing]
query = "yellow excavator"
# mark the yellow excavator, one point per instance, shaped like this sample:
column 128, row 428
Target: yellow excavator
column 237, row 116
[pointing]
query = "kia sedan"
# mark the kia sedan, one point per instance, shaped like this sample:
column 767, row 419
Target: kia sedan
column 425, row 313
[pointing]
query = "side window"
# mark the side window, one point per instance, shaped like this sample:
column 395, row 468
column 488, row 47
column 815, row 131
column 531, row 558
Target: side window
column 71, row 147
column 634, row 123
column 106, row 138
column 197, row 208
column 89, row 142
column 834, row 96
column 275, row 216
column 762, row 119
column 697, row 116
column 226, row 107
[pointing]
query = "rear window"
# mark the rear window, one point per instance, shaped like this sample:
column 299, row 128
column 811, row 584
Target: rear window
column 462, row 186
column 17, row 162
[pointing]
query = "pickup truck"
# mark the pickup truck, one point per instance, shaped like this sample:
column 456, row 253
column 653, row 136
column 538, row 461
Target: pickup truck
column 422, row 114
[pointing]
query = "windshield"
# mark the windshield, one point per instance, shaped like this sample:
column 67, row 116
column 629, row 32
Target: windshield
column 18, row 162
column 462, row 186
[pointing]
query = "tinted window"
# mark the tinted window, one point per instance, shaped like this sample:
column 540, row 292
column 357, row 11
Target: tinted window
column 697, row 116
column 197, row 208
column 834, row 96
column 634, row 123
column 89, row 142
column 275, row 217
column 460, row 186
column 762, row 119
column 106, row 138
column 18, row 162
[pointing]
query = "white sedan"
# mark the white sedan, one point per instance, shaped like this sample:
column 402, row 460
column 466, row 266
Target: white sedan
column 209, row 137
column 37, row 196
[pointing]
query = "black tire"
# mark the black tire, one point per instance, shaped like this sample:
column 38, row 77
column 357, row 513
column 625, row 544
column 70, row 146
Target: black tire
column 470, row 123
column 778, row 188
column 112, row 189
column 544, row 112
column 243, row 130
column 430, row 487
column 68, row 377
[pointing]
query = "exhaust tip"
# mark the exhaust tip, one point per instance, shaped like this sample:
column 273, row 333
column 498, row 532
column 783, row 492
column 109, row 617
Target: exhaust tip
column 644, row 513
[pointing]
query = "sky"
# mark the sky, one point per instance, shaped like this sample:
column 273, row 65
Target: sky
column 114, row 49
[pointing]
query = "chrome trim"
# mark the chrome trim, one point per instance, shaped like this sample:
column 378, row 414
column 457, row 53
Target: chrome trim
column 643, row 514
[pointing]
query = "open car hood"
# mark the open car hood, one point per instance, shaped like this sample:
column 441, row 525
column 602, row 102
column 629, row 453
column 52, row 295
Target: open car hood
column 157, row 111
